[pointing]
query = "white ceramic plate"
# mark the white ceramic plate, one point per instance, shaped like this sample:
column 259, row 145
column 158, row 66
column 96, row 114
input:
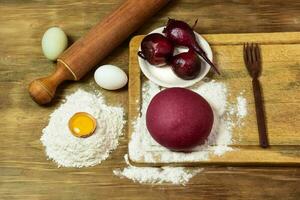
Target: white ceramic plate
column 165, row 77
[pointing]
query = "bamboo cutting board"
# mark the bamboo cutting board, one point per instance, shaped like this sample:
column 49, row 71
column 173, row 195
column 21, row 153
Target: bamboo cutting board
column 281, row 90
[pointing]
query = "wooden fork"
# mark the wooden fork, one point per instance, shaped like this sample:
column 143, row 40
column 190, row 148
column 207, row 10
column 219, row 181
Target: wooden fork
column 253, row 64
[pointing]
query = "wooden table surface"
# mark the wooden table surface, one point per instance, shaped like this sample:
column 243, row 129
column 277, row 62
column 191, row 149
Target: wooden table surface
column 25, row 172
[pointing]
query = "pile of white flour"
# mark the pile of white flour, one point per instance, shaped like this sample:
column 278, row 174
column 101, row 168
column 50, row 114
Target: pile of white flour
column 143, row 147
column 70, row 151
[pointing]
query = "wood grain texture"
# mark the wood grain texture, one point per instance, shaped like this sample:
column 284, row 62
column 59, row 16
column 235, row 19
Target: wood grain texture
column 281, row 100
column 89, row 50
column 25, row 173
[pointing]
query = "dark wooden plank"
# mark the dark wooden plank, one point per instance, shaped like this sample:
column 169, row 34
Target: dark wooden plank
column 24, row 171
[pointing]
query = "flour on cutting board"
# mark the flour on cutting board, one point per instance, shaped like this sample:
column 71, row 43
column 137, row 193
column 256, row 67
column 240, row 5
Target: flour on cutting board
column 241, row 106
column 143, row 147
column 70, row 151
column 157, row 175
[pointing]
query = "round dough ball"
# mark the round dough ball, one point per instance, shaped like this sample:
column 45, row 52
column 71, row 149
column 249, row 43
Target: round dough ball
column 54, row 42
column 179, row 119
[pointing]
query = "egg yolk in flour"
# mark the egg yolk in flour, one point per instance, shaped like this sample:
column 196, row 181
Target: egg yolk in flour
column 82, row 124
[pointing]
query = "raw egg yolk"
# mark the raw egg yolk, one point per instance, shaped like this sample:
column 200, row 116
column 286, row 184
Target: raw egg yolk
column 82, row 124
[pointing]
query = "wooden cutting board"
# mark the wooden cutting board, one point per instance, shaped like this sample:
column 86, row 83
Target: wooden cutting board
column 281, row 90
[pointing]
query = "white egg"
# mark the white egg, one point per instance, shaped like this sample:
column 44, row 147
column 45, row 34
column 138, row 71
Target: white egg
column 54, row 42
column 110, row 77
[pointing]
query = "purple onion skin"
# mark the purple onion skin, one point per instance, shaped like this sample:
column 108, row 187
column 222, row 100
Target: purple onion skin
column 179, row 119
column 156, row 49
column 180, row 33
column 186, row 65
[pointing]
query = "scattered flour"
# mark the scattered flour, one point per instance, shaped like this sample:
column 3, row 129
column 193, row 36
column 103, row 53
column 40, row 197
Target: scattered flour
column 241, row 106
column 70, row 151
column 156, row 175
column 143, row 147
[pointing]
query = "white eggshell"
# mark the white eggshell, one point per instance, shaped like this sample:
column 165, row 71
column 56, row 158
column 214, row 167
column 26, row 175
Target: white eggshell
column 110, row 77
column 54, row 42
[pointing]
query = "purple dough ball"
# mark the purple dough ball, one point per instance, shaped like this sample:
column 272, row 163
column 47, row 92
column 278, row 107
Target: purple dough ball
column 179, row 119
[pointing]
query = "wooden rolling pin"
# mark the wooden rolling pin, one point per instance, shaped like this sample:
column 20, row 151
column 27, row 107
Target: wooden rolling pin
column 89, row 50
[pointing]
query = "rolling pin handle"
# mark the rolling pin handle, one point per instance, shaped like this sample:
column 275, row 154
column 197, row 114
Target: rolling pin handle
column 42, row 90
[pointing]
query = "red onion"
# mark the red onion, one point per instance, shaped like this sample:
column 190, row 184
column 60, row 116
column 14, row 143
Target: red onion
column 186, row 65
column 180, row 33
column 156, row 49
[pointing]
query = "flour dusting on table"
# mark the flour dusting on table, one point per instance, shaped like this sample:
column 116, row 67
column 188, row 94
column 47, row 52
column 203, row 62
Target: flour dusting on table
column 143, row 147
column 157, row 175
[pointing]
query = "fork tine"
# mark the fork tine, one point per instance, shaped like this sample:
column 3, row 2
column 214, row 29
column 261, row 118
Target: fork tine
column 253, row 56
column 257, row 52
column 245, row 54
column 258, row 61
column 248, row 48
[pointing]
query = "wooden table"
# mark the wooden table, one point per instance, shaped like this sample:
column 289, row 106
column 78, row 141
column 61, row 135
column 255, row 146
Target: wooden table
column 25, row 173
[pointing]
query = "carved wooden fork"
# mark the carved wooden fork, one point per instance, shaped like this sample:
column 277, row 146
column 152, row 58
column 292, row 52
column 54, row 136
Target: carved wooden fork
column 253, row 64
